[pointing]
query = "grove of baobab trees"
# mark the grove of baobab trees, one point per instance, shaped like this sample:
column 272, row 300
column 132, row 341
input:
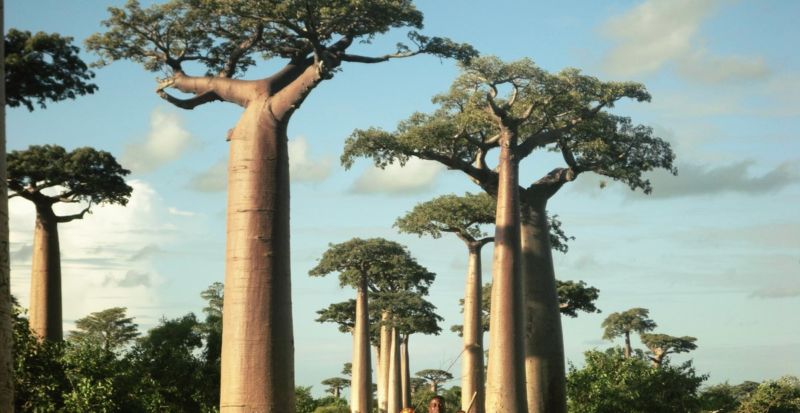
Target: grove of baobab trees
column 224, row 37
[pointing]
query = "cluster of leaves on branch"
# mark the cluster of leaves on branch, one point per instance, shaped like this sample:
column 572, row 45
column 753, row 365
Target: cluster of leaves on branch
column 637, row 320
column 43, row 67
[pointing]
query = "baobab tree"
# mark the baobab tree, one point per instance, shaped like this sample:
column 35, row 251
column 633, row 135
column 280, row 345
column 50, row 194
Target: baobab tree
column 335, row 385
column 662, row 344
column 48, row 175
column 371, row 265
column 622, row 324
column 109, row 329
column 563, row 112
column 225, row 37
column 434, row 377
column 36, row 68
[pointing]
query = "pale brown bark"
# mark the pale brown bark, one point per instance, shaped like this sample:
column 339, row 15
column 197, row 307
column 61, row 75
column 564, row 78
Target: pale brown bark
column 6, row 336
column 544, row 345
column 361, row 380
column 505, row 387
column 257, row 343
column 627, row 349
column 394, row 398
column 45, row 299
column 405, row 373
column 384, row 357
column 472, row 380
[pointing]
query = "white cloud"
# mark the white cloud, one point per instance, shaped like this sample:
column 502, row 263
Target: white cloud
column 106, row 258
column 415, row 177
column 658, row 32
column 180, row 212
column 304, row 169
column 166, row 141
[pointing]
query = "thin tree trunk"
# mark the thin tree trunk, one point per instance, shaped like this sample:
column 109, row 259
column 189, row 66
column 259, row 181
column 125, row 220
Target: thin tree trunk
column 394, row 400
column 6, row 337
column 361, row 381
column 257, row 346
column 472, row 359
column 505, row 388
column 628, row 350
column 45, row 299
column 544, row 342
column 405, row 372
column 384, row 357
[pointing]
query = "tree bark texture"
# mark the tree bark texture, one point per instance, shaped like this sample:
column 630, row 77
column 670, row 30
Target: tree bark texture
column 544, row 342
column 257, row 342
column 405, row 372
column 394, row 400
column 45, row 300
column 361, row 380
column 384, row 358
column 628, row 350
column 472, row 381
column 6, row 335
column 505, row 387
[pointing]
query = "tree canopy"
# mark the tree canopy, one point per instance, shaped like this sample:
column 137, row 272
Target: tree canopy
column 110, row 329
column 622, row 324
column 387, row 266
column 43, row 67
column 563, row 112
column 662, row 344
column 81, row 175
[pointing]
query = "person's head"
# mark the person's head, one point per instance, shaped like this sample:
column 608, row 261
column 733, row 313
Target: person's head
column 436, row 405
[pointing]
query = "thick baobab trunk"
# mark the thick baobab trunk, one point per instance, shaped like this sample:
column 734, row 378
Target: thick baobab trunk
column 394, row 400
column 6, row 335
column 361, row 380
column 257, row 342
column 544, row 342
column 472, row 359
column 405, row 373
column 45, row 299
column 505, row 387
column 384, row 357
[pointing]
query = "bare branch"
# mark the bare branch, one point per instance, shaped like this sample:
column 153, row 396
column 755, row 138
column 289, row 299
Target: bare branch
column 190, row 103
column 68, row 218
column 368, row 59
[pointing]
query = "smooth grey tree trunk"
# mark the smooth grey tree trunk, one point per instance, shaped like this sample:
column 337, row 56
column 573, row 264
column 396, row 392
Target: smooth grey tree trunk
column 45, row 299
column 361, row 380
column 544, row 343
column 394, row 400
column 6, row 332
column 472, row 374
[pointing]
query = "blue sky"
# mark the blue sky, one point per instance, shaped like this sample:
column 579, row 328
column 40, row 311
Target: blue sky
column 713, row 253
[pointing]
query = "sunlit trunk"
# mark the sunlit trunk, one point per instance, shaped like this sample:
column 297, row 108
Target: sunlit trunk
column 472, row 358
column 45, row 299
column 405, row 372
column 544, row 343
column 361, row 380
column 394, row 398
column 384, row 357
column 505, row 387
column 627, row 350
column 257, row 345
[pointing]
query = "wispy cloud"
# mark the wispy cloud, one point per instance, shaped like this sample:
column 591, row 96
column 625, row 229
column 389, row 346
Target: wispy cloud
column 417, row 176
column 656, row 33
column 213, row 179
column 166, row 141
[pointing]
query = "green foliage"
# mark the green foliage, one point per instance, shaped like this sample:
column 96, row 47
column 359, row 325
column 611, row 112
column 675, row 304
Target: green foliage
column 775, row 396
column 410, row 312
column 564, row 112
column 109, row 329
column 41, row 67
column 421, row 397
column 611, row 383
column 386, row 265
column 461, row 215
column 82, row 175
column 335, row 384
column 572, row 297
column 225, row 36
column 304, row 401
column 621, row 324
column 662, row 344
column 434, row 377
column 724, row 398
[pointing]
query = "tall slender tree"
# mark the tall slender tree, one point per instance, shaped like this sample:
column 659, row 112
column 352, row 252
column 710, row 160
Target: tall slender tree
column 225, row 36
column 563, row 112
column 622, row 324
column 371, row 265
column 110, row 329
column 36, row 69
column 48, row 175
